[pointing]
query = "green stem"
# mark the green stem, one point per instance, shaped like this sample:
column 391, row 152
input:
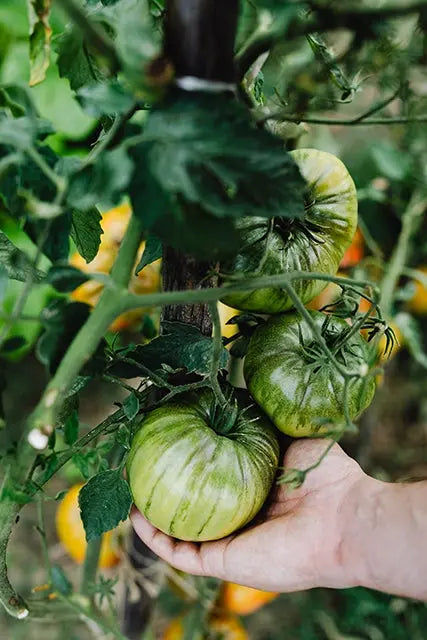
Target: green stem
column 349, row 122
column 90, row 565
column 410, row 221
column 87, row 339
column 13, row 603
column 216, row 355
column 42, row 531
column 134, row 301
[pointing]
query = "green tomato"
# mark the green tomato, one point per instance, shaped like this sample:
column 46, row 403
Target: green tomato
column 316, row 244
column 193, row 483
column 293, row 382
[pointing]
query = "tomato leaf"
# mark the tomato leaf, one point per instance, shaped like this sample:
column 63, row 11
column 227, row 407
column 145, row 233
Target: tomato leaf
column 104, row 502
column 180, row 347
column 15, row 264
column 105, row 98
column 104, row 180
column 65, row 278
column 75, row 61
column 153, row 251
column 86, row 232
column 71, row 428
column 203, row 149
column 40, row 37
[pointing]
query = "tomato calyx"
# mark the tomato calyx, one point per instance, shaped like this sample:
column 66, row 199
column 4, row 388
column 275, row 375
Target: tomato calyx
column 336, row 341
column 287, row 227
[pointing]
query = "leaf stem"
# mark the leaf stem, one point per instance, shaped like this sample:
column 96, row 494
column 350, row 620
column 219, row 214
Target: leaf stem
column 90, row 565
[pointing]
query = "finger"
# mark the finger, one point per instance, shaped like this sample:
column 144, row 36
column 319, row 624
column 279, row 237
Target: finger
column 181, row 555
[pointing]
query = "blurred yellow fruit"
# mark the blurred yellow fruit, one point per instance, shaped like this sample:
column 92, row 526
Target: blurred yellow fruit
column 418, row 303
column 225, row 314
column 244, row 600
column 70, row 531
column 114, row 223
column 225, row 626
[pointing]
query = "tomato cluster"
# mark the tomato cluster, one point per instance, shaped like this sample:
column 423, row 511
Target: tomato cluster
column 199, row 474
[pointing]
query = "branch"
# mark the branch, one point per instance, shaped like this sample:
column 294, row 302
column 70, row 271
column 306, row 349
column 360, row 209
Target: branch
column 348, row 122
column 323, row 19
column 410, row 219
column 134, row 301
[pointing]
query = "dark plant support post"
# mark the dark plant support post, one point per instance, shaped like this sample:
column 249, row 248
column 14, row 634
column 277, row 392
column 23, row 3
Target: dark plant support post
column 199, row 42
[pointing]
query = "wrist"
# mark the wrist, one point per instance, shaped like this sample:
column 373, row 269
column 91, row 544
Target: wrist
column 382, row 541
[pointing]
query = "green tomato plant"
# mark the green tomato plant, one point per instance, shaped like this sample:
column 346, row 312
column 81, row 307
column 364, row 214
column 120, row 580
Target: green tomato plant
column 198, row 133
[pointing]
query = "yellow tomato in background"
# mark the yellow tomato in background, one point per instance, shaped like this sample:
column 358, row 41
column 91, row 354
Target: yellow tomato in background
column 418, row 303
column 225, row 314
column 244, row 600
column 70, row 531
column 114, row 223
column 226, row 627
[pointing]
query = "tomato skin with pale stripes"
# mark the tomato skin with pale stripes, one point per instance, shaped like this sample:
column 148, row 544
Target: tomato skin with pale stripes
column 296, row 391
column 193, row 483
column 316, row 244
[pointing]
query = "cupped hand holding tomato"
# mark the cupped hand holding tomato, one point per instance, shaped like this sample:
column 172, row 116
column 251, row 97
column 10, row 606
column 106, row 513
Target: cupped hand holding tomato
column 340, row 529
column 295, row 542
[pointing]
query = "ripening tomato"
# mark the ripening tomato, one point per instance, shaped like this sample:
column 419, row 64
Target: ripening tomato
column 71, row 533
column 244, row 600
column 355, row 252
column 294, row 383
column 418, row 303
column 199, row 474
column 114, row 223
column 225, row 314
column 315, row 244
column 225, row 627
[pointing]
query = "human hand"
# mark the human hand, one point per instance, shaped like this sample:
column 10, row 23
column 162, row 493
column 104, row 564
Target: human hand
column 295, row 543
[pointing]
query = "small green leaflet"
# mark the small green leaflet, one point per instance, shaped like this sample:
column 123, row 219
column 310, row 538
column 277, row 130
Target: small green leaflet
column 180, row 347
column 105, row 98
column 131, row 406
column 86, row 232
column 75, row 62
column 60, row 582
column 104, row 180
column 71, row 428
column 65, row 278
column 15, row 262
column 40, row 37
column 152, row 252
column 104, row 502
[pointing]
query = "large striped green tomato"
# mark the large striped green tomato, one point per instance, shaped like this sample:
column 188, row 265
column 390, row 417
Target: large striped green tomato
column 293, row 382
column 315, row 244
column 193, row 483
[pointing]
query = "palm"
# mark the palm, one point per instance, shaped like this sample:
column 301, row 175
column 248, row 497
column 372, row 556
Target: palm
column 293, row 545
